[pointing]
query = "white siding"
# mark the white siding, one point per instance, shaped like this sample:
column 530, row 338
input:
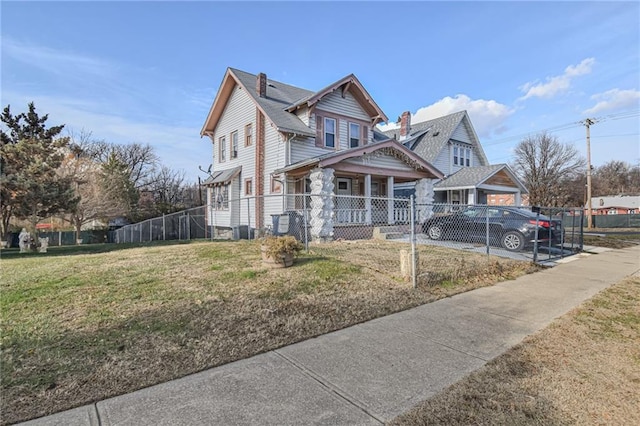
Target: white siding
column 274, row 159
column 334, row 102
column 461, row 134
column 443, row 161
column 239, row 111
column 303, row 115
column 386, row 162
column 302, row 149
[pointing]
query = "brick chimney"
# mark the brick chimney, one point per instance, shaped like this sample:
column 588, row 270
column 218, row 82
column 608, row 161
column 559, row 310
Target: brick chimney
column 405, row 125
column 261, row 85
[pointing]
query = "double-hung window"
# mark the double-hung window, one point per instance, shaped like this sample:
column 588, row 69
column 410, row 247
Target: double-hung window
column 234, row 145
column 354, row 135
column 461, row 156
column 220, row 197
column 248, row 135
column 329, row 132
column 222, row 149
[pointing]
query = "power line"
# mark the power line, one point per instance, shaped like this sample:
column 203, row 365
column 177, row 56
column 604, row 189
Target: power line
column 566, row 126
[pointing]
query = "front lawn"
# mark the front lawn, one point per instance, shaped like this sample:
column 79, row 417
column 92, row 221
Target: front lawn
column 86, row 323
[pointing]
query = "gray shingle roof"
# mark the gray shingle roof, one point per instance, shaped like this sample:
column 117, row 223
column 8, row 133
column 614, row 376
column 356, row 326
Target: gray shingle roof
column 428, row 138
column 279, row 96
column 469, row 177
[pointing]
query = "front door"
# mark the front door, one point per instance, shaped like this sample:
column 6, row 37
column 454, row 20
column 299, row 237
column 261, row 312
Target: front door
column 344, row 202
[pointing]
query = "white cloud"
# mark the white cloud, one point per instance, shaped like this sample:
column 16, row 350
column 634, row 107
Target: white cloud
column 56, row 61
column 487, row 116
column 556, row 84
column 614, row 99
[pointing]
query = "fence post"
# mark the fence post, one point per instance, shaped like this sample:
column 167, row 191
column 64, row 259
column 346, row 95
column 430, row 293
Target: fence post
column 414, row 263
column 535, row 239
column 249, row 219
column 304, row 221
column 164, row 228
column 581, row 239
column 189, row 226
column 487, row 231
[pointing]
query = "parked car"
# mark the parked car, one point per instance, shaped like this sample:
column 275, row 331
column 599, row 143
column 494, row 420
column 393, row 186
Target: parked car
column 510, row 227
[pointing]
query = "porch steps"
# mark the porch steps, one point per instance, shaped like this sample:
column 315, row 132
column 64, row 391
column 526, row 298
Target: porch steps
column 390, row 232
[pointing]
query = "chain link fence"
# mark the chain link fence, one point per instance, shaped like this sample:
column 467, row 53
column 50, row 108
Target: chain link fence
column 420, row 242
column 184, row 225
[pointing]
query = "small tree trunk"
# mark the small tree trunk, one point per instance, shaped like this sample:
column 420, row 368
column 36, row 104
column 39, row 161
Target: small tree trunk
column 78, row 225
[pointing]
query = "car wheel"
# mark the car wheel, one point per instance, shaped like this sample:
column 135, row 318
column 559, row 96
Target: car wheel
column 434, row 232
column 513, row 241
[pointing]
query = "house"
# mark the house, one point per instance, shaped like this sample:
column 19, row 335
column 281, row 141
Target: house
column 618, row 204
column 450, row 143
column 278, row 148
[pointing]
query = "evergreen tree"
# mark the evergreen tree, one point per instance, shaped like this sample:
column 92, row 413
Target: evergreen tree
column 30, row 155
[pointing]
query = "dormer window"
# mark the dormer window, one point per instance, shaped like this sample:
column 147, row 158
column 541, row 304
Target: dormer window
column 461, row 156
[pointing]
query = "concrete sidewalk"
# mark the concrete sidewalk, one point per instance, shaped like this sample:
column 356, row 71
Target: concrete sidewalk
column 372, row 372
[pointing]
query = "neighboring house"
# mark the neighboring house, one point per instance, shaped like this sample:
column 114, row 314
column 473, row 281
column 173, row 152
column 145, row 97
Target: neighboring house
column 272, row 141
column 450, row 143
column 506, row 199
column 618, row 204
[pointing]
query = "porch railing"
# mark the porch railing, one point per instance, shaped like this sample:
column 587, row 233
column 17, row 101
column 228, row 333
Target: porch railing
column 350, row 215
column 401, row 214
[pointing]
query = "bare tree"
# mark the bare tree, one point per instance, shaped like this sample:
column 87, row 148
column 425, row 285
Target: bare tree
column 615, row 178
column 97, row 199
column 546, row 166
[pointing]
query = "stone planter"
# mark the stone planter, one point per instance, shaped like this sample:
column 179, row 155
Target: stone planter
column 79, row 241
column 283, row 260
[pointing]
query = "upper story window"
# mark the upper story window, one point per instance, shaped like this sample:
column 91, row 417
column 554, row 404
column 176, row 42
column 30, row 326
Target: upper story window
column 461, row 156
column 248, row 134
column 329, row 132
column 222, row 148
column 234, row 144
column 354, row 135
column 248, row 186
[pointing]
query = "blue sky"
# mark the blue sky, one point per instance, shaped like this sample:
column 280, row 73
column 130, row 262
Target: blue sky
column 148, row 72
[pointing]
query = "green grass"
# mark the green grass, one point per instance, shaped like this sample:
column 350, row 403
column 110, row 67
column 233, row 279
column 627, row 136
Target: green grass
column 84, row 323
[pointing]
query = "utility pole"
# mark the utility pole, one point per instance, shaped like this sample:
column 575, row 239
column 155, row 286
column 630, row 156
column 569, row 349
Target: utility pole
column 588, row 122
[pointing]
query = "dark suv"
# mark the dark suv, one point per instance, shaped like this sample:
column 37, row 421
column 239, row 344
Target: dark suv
column 510, row 227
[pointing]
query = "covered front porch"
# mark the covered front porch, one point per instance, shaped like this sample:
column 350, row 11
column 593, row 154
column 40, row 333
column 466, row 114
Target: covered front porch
column 355, row 186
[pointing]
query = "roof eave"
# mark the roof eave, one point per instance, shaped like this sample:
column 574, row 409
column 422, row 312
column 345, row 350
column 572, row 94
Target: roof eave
column 222, row 96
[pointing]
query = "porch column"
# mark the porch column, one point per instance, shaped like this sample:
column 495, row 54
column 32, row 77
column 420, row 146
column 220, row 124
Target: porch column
column 390, row 203
column 321, row 204
column 472, row 196
column 424, row 199
column 367, row 199
column 517, row 199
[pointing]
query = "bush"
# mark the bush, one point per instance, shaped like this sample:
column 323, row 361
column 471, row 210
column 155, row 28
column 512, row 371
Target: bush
column 277, row 246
